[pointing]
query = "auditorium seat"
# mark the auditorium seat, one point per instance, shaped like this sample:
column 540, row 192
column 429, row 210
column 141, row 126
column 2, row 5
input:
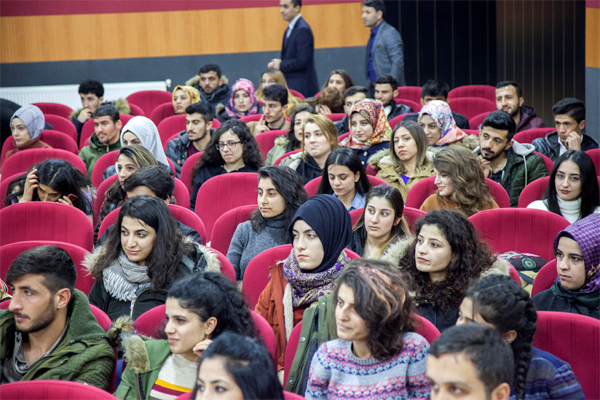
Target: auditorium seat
column 226, row 225
column 549, row 163
column 483, row 91
column 595, row 154
column 529, row 135
column 21, row 161
column 477, row 120
column 62, row 124
column 336, row 117
column 147, row 100
column 266, row 141
column 278, row 161
column 187, row 169
column 412, row 93
column 170, row 126
column 161, row 112
column 55, row 109
column 54, row 139
column 471, row 106
column 416, row 106
column 136, row 110
column 297, row 94
column 396, row 120
column 105, row 161
column 545, row 278
column 53, row 390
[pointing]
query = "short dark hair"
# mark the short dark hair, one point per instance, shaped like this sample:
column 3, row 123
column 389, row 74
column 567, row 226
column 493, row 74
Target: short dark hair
column 52, row 262
column 502, row 121
column 155, row 178
column 435, row 88
column 570, row 107
column 296, row 3
column 514, row 84
column 91, row 86
column 205, row 69
column 276, row 92
column 490, row 354
column 107, row 110
column 378, row 5
column 351, row 91
column 203, row 108
column 387, row 79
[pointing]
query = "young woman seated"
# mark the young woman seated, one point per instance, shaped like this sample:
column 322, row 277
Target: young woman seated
column 143, row 255
column 199, row 308
column 232, row 148
column 241, row 104
column 573, row 191
column 345, row 177
column 183, row 96
column 369, row 129
column 577, row 287
column 293, row 140
column 329, row 101
column 437, row 121
column 381, row 232
column 271, row 77
column 320, row 230
column 407, row 161
column 236, row 367
column 338, row 79
column 280, row 193
column 460, row 182
column 501, row 303
column 377, row 350
column 26, row 126
column 445, row 257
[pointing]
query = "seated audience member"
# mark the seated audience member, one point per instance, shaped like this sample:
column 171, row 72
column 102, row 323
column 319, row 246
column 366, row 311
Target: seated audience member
column 232, row 148
column 377, row 350
column 381, row 232
column 26, row 126
column 7, row 110
column 573, row 191
column 509, row 98
column 386, row 89
column 199, row 308
column 501, row 303
column 470, row 362
column 230, row 365
column 338, row 79
column 183, row 96
column 155, row 181
column 329, row 101
column 370, row 130
column 48, row 331
column 445, row 257
column 293, row 140
column 351, row 96
column 345, row 178
column 320, row 139
column 212, row 85
column 577, row 288
column 242, row 102
column 436, row 120
column 511, row 164
column 460, row 182
column 142, row 258
column 274, row 107
column 569, row 119
column 406, row 162
column 271, row 77
column 320, row 230
column 280, row 193
column 107, row 132
column 199, row 130
column 437, row 90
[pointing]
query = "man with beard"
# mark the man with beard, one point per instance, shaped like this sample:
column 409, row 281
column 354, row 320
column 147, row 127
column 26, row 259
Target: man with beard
column 513, row 165
column 212, row 85
column 386, row 89
column 198, row 121
column 48, row 331
column 509, row 98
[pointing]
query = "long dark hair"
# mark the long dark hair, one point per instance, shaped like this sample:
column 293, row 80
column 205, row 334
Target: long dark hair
column 59, row 175
column 345, row 76
column 470, row 257
column 348, row 158
column 418, row 135
column 294, row 143
column 142, row 157
column 590, row 192
column 289, row 185
column 503, row 303
column 169, row 247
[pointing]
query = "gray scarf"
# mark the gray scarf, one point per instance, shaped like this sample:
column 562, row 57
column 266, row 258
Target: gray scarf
column 124, row 279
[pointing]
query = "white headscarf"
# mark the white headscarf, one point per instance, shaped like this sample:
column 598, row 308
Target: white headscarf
column 147, row 132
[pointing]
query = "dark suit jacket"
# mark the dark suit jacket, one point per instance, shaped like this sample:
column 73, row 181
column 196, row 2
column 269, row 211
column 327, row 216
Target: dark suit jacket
column 298, row 60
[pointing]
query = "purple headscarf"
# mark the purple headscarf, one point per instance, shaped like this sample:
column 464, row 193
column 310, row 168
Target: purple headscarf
column 248, row 87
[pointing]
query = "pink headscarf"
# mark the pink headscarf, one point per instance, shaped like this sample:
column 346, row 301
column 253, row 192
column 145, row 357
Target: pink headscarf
column 248, row 87
column 442, row 115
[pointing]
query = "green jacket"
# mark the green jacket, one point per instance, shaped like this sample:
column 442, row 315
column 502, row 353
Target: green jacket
column 83, row 356
column 91, row 153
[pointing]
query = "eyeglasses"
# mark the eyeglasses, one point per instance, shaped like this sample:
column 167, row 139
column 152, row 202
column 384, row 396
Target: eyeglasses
column 229, row 145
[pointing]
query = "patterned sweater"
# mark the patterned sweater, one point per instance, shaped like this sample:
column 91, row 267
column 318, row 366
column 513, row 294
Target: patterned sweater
column 336, row 373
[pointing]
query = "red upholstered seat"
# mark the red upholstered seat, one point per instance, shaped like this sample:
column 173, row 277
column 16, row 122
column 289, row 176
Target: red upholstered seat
column 572, row 338
column 477, row 120
column 88, row 129
column 549, row 163
column 54, row 139
column 297, row 94
column 251, row 118
column 471, row 106
column 343, row 136
column 312, row 186
column 187, row 168
column 336, row 117
column 226, row 225
column 278, row 161
column 545, row 278
column 266, row 141
column 595, row 154
column 181, row 193
column 528, row 135
column 147, row 100
column 23, row 160
column 519, row 229
column 170, row 126
column 355, row 215
column 55, row 109
column 136, row 110
column 415, row 105
column 62, row 124
column 226, row 267
column 372, row 171
column 412, row 93
column 396, row 120
column 53, row 390
column 161, row 112
column 101, row 195
column 483, row 91
column 535, row 191
column 105, row 161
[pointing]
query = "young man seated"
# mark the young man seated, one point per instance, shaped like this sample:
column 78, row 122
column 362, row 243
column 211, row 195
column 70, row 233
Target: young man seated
column 513, row 165
column 509, row 98
column 198, row 123
column 275, row 104
column 212, row 85
column 48, row 331
column 386, row 90
column 106, row 136
column 351, row 96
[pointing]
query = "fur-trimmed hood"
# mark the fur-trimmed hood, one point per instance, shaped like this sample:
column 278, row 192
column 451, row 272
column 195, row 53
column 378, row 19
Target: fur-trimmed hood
column 135, row 352
column 395, row 251
column 121, row 104
column 196, row 79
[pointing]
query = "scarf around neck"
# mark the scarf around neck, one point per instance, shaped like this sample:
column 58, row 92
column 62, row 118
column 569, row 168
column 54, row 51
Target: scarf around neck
column 124, row 278
column 248, row 87
column 374, row 112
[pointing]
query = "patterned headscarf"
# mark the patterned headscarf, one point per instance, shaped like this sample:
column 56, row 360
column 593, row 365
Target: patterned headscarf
column 372, row 111
column 440, row 112
column 248, row 87
column 192, row 93
column 33, row 118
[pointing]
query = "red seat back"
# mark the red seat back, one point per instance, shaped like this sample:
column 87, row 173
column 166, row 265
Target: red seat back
column 416, row 106
column 226, row 267
column 483, row 91
column 88, row 129
column 147, row 100
column 278, row 161
column 471, row 106
column 182, row 194
column 425, row 328
column 55, row 109
column 23, row 160
column 266, row 333
column 53, row 390
column 108, row 220
column 62, row 124
column 477, row 120
column 226, row 225
column 312, row 186
column 471, row 132
column 595, row 154
column 136, row 110
column 101, row 195
column 343, row 136
column 412, row 215
column 545, row 278
column 161, row 112
column 549, row 163
column 266, row 141
column 412, row 93
column 105, row 161
column 170, row 126
column 290, row 351
column 251, row 118
column 297, row 94
column 534, row 191
column 336, row 116
column 187, row 168
column 54, row 139
column 528, row 135
column 396, row 120
column 372, row 171
column 522, row 230
column 355, row 215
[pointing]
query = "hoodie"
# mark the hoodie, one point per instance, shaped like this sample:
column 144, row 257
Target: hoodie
column 529, row 119
column 92, row 152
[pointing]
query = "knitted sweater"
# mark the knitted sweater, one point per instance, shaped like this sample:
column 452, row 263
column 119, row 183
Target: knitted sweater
column 336, row 373
column 570, row 210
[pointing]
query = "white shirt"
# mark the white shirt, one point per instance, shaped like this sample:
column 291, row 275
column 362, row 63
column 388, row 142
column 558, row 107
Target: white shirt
column 291, row 25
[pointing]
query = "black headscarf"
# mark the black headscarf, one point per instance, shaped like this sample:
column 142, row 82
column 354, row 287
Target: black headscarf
column 331, row 221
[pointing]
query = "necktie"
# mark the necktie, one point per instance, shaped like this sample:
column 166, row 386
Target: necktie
column 287, row 35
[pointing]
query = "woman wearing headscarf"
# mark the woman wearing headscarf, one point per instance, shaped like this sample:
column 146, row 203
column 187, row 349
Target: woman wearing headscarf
column 577, row 287
column 26, row 125
column 320, row 230
column 369, row 129
column 437, row 121
column 183, row 96
column 242, row 102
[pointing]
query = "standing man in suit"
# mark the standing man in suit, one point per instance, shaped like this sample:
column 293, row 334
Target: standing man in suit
column 385, row 52
column 297, row 60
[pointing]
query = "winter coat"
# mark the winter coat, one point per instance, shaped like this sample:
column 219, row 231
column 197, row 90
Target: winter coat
column 357, row 245
column 390, row 172
column 529, row 119
column 398, row 110
column 121, row 105
column 342, row 126
column 177, row 149
column 547, row 301
column 307, row 167
column 205, row 173
column 522, row 167
column 84, row 355
column 219, row 96
column 92, row 152
column 367, row 153
column 470, row 142
column 550, row 147
column 280, row 148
